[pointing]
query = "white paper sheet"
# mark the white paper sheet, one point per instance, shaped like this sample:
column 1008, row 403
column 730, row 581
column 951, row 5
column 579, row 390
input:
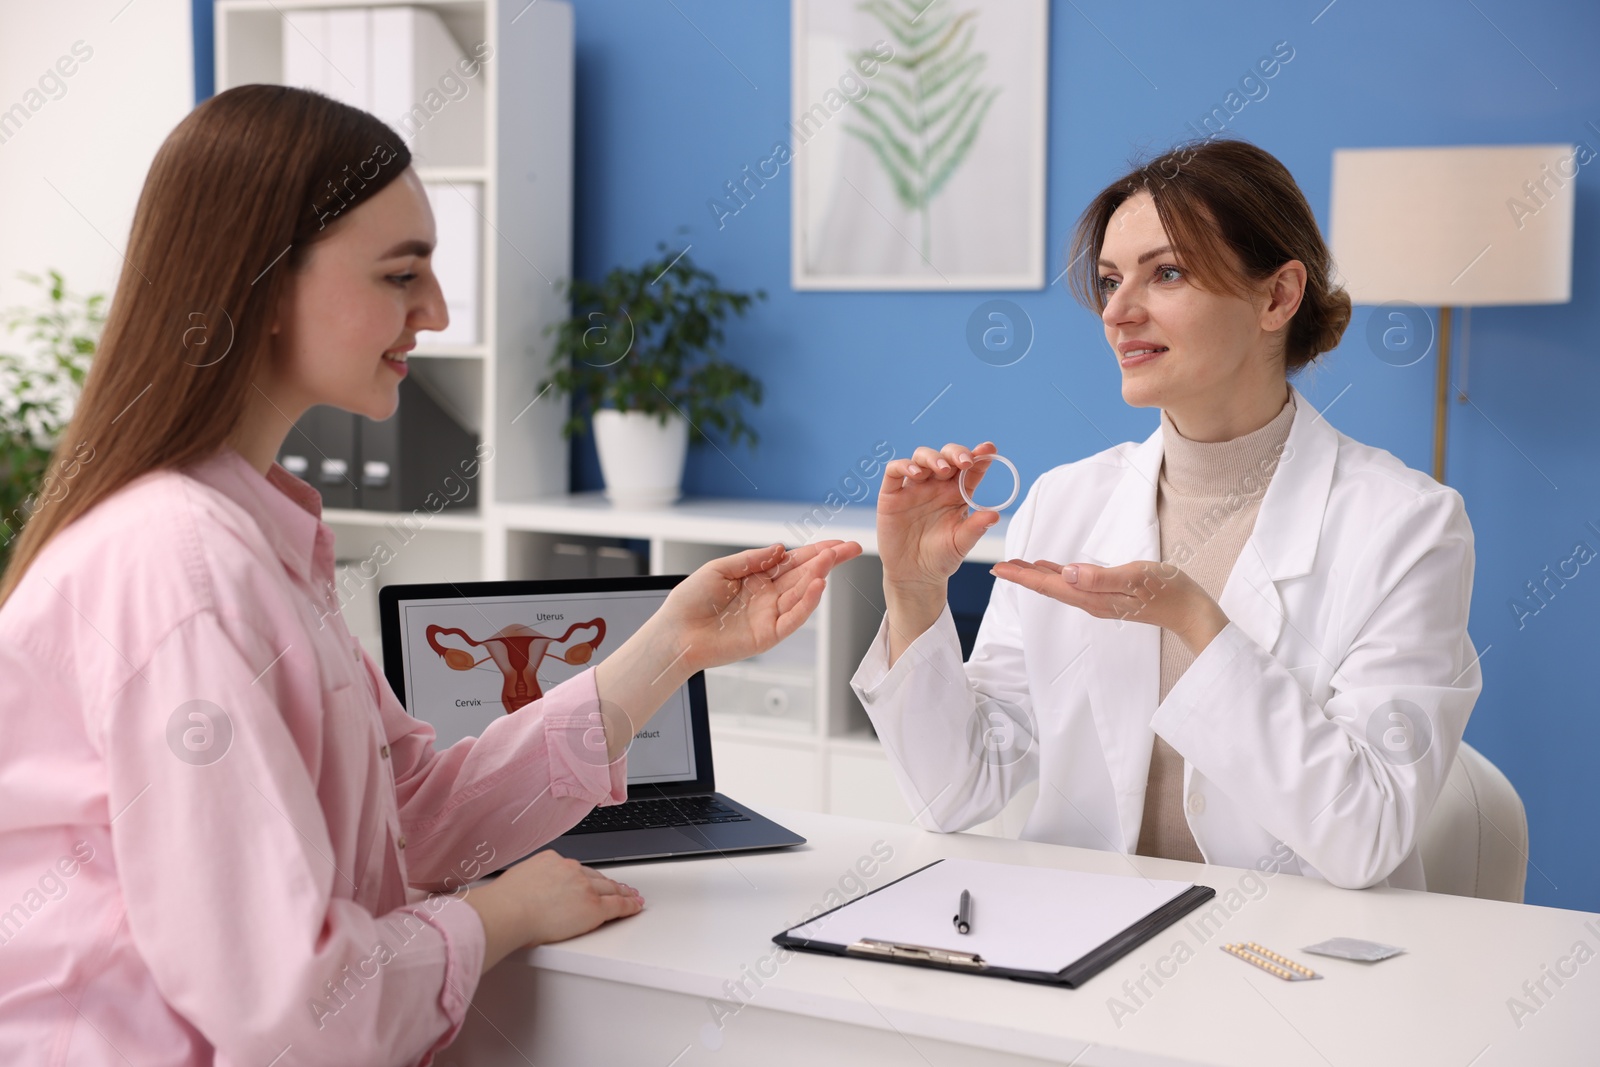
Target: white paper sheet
column 1027, row 918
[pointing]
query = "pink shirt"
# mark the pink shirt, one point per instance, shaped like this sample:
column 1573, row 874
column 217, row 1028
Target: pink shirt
column 212, row 805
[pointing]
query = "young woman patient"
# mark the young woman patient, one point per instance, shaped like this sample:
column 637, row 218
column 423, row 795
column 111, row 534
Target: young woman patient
column 1243, row 640
column 215, row 816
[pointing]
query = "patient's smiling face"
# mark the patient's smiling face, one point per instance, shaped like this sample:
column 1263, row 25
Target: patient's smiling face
column 1213, row 349
column 363, row 292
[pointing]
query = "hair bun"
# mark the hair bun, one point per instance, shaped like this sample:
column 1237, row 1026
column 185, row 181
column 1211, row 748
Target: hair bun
column 1335, row 317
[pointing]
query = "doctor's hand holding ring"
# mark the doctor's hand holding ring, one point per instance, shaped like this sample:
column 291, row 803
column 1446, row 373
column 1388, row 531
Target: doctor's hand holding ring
column 1160, row 594
column 924, row 529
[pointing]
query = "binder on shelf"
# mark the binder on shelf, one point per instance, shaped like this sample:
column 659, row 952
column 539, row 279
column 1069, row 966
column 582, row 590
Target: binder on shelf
column 321, row 448
column 615, row 561
column 1029, row 924
column 305, row 50
column 587, row 558
column 457, row 259
column 400, row 63
column 415, row 60
column 349, row 52
column 413, row 459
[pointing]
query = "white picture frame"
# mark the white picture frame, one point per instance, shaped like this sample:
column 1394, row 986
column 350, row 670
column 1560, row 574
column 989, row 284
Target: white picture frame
column 862, row 216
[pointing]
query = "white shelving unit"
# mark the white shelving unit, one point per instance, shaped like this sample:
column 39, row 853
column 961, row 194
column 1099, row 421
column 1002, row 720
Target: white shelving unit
column 821, row 755
column 832, row 761
column 521, row 103
column 519, row 106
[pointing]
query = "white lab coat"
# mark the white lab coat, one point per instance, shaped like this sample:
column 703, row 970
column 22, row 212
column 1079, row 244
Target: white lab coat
column 1351, row 595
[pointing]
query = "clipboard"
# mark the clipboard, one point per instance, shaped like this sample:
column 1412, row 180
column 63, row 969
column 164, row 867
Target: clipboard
column 1029, row 924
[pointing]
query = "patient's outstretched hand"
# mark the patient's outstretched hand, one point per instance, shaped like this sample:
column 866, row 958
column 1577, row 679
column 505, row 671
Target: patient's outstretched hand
column 732, row 607
column 743, row 604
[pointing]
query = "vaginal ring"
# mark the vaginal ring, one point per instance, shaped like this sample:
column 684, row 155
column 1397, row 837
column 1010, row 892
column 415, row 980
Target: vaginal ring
column 1016, row 486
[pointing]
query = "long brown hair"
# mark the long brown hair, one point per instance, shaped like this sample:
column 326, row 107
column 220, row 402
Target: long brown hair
column 1235, row 215
column 238, row 192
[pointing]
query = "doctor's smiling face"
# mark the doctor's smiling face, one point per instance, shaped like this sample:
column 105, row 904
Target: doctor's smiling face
column 1213, row 358
column 355, row 305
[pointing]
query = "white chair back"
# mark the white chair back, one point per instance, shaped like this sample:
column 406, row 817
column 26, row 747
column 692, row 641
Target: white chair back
column 1475, row 841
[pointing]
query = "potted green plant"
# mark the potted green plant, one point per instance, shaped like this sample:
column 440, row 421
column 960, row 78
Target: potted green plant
column 38, row 391
column 638, row 356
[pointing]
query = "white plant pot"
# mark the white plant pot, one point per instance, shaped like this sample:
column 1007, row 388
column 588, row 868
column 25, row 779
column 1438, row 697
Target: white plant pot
column 641, row 460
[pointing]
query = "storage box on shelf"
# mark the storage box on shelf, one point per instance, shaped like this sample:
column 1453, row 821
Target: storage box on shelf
column 413, row 548
column 764, row 698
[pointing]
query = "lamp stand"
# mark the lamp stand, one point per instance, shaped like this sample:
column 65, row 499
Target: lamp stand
column 1441, row 396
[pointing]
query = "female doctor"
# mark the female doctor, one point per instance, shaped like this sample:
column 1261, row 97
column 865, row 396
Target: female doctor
column 1242, row 641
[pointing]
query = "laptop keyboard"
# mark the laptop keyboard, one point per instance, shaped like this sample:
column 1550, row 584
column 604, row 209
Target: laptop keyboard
column 650, row 814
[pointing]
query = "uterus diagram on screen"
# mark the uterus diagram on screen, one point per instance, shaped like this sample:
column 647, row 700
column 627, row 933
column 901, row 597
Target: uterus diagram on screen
column 517, row 650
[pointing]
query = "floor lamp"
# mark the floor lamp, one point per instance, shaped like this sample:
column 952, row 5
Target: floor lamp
column 1456, row 227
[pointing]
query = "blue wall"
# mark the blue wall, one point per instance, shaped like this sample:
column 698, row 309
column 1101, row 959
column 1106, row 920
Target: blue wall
column 665, row 118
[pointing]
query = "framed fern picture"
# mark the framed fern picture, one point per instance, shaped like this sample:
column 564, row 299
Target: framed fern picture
column 918, row 143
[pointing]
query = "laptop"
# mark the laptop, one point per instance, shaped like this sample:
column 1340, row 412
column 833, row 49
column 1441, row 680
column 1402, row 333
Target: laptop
column 460, row 655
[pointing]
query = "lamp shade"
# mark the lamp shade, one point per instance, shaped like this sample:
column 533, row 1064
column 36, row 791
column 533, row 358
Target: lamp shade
column 1461, row 227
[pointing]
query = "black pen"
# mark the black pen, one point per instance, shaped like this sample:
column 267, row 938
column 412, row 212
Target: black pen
column 963, row 916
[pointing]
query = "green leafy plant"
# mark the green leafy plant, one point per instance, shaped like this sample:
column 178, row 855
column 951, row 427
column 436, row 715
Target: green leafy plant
column 922, row 126
column 644, row 339
column 39, row 390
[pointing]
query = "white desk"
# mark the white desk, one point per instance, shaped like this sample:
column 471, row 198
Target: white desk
column 642, row 990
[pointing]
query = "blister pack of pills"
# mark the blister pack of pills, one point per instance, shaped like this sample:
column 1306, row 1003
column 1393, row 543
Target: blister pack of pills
column 1351, row 948
column 1269, row 961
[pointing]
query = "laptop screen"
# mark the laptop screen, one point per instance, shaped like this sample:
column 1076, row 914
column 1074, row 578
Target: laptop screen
column 460, row 656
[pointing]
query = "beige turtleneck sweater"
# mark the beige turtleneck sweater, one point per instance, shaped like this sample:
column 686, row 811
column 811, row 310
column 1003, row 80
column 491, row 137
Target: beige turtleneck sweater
column 1206, row 505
